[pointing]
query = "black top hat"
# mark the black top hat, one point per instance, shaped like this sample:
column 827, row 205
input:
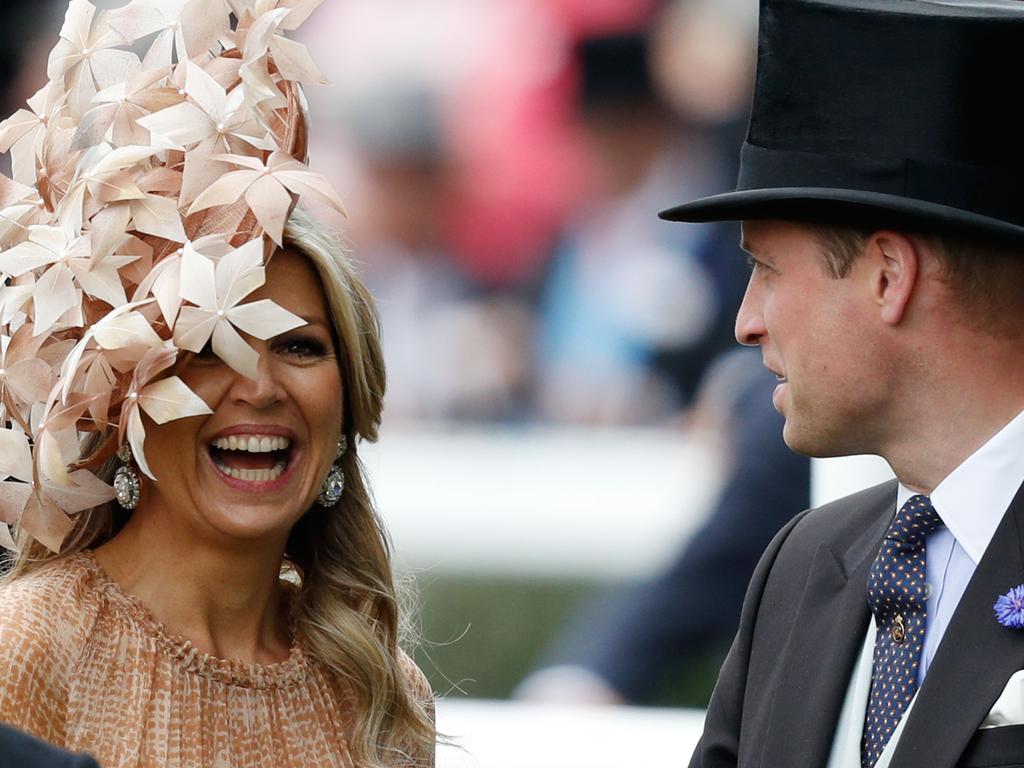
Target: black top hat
column 884, row 113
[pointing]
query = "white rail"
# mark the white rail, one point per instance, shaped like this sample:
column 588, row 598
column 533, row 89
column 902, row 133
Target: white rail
column 490, row 734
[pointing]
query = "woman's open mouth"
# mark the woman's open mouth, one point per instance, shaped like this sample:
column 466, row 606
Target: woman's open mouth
column 251, row 458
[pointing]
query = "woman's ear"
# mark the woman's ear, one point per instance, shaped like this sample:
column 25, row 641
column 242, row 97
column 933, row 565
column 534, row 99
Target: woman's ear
column 894, row 260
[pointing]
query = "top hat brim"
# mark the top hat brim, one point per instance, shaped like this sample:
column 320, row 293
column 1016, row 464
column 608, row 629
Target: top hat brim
column 845, row 207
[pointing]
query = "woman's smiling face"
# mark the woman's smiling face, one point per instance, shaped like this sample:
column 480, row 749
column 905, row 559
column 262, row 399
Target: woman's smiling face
column 254, row 466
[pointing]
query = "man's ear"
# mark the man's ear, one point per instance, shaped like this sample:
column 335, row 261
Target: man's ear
column 894, row 261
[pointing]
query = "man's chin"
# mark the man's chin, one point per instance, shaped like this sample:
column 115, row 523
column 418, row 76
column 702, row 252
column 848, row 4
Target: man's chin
column 816, row 445
column 799, row 440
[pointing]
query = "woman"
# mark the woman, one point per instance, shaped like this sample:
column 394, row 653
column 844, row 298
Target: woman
column 169, row 638
column 169, row 302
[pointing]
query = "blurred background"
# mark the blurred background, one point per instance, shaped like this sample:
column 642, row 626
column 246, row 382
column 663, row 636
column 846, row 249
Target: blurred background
column 578, row 466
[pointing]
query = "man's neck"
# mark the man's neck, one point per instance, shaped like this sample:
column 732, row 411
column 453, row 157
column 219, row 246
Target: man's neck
column 925, row 453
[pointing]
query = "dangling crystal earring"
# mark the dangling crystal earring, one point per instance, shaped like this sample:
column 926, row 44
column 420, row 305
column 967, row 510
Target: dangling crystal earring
column 334, row 483
column 126, row 481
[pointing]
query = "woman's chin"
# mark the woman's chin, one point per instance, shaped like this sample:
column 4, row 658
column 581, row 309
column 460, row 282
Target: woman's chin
column 250, row 523
column 251, row 507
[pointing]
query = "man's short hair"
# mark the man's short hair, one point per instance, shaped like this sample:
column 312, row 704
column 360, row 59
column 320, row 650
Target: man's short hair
column 988, row 280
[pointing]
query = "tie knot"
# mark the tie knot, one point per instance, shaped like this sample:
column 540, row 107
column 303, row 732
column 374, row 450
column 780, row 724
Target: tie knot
column 915, row 520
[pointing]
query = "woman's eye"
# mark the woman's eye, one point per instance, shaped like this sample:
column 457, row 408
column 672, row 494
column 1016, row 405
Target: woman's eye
column 303, row 347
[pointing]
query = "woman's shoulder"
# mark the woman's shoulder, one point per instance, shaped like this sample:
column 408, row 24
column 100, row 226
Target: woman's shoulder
column 46, row 616
column 47, row 610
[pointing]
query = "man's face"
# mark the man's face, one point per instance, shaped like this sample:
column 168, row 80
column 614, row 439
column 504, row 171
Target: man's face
column 815, row 334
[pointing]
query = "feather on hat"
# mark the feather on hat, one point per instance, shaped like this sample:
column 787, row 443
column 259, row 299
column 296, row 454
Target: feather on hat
column 152, row 177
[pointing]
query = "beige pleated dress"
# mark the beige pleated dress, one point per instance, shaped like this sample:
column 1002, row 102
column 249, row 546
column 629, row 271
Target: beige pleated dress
column 85, row 666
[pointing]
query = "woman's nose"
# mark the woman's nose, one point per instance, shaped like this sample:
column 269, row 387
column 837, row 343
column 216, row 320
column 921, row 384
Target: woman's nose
column 263, row 390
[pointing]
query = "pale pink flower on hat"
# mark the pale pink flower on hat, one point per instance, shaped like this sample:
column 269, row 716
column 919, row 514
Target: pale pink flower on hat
column 216, row 290
column 22, row 133
column 24, row 378
column 298, row 10
column 210, row 122
column 152, row 212
column 121, row 338
column 187, row 28
column 163, row 283
column 290, row 57
column 15, row 455
column 163, row 400
column 105, row 175
column 47, row 510
column 268, row 189
column 87, row 56
column 20, row 208
column 68, row 263
column 118, row 108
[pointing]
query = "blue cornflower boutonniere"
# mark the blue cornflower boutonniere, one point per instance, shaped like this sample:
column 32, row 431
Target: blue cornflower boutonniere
column 1009, row 608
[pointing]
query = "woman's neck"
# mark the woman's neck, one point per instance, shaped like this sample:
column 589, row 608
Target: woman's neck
column 227, row 600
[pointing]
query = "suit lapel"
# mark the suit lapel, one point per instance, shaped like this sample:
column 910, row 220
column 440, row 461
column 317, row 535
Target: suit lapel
column 826, row 638
column 974, row 660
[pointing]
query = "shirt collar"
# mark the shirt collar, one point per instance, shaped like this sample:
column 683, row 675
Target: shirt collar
column 971, row 500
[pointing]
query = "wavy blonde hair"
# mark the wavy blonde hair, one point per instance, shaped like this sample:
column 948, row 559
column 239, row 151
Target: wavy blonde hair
column 347, row 609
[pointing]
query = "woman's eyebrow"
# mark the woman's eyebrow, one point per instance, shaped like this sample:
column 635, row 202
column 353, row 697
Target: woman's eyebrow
column 314, row 320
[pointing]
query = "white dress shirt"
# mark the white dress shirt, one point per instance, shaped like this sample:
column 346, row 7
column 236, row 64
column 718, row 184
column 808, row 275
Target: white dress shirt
column 971, row 502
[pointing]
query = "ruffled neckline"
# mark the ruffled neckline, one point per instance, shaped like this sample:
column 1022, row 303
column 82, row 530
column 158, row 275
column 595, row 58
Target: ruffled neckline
column 181, row 650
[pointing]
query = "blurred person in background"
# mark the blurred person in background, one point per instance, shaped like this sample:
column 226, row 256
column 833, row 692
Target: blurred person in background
column 452, row 115
column 630, row 648
column 632, row 313
column 455, row 349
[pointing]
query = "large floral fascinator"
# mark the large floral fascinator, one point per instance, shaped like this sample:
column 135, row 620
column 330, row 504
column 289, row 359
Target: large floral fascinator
column 152, row 178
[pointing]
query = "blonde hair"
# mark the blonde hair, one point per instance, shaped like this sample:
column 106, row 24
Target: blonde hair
column 347, row 610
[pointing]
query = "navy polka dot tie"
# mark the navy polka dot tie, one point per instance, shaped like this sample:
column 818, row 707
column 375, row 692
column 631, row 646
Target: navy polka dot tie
column 896, row 596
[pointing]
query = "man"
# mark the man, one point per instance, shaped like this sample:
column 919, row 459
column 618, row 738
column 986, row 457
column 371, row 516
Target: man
column 878, row 191
column 23, row 751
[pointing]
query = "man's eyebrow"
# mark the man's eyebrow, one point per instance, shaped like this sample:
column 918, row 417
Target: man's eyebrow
column 748, row 245
column 751, row 248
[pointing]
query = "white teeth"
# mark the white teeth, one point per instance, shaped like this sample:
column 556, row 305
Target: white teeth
column 252, row 443
column 254, row 475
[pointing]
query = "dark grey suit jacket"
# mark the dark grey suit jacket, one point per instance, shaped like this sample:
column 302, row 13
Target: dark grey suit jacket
column 19, row 750
column 782, row 686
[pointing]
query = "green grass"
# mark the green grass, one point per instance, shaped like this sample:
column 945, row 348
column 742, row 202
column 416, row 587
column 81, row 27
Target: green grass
column 482, row 635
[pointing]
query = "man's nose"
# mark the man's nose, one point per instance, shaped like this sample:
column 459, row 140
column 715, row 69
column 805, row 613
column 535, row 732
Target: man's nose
column 750, row 328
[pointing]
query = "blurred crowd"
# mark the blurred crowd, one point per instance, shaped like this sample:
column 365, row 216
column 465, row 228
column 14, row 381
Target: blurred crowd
column 503, row 163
